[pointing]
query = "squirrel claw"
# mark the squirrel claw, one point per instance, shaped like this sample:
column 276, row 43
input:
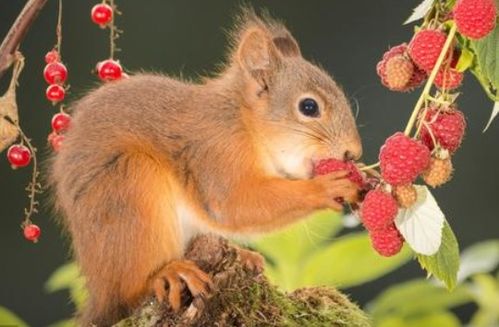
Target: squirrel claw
column 171, row 281
column 252, row 260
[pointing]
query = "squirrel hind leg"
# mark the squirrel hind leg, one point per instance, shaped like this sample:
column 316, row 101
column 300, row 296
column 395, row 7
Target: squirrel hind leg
column 169, row 283
column 124, row 228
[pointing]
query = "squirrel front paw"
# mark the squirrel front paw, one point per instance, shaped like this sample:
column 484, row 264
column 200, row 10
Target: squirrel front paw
column 171, row 280
column 336, row 186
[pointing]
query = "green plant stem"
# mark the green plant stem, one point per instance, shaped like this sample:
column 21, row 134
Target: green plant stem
column 429, row 83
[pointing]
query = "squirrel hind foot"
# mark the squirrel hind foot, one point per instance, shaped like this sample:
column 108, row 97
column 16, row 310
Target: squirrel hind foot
column 251, row 260
column 170, row 282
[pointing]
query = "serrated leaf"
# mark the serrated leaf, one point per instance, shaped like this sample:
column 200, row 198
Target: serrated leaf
column 493, row 115
column 349, row 261
column 465, row 60
column 416, row 297
column 482, row 257
column 421, row 225
column 486, row 50
column 420, row 11
column 444, row 264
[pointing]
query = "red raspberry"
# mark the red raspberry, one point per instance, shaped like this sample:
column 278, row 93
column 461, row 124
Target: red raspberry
column 32, row 232
column 416, row 79
column 448, row 79
column 398, row 72
column 475, row 18
column 447, row 127
column 387, row 241
column 402, row 159
column 378, row 210
column 425, row 47
column 327, row 166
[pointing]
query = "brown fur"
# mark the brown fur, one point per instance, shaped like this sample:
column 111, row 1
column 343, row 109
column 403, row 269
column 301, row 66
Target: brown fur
column 233, row 152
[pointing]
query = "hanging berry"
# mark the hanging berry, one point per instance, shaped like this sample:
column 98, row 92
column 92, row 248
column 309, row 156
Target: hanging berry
column 55, row 140
column 55, row 73
column 102, row 14
column 52, row 56
column 19, row 156
column 32, row 232
column 109, row 70
column 60, row 122
column 55, row 93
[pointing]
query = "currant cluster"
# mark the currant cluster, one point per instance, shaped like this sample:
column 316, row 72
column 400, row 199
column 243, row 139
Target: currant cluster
column 103, row 15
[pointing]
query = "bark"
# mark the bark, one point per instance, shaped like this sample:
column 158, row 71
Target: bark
column 246, row 298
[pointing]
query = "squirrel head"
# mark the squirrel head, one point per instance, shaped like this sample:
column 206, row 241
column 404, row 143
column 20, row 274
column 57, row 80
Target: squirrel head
column 296, row 112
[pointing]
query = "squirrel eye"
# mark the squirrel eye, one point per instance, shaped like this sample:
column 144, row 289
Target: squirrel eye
column 309, row 107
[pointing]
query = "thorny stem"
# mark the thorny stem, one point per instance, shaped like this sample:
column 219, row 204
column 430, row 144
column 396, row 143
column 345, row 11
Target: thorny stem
column 113, row 31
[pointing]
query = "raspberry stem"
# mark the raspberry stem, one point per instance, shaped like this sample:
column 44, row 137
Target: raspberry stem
column 429, row 83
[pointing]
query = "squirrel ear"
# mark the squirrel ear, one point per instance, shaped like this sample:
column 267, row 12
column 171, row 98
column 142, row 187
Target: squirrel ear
column 257, row 54
column 287, row 45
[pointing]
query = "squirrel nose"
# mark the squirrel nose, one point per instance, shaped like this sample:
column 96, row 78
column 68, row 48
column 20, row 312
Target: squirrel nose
column 353, row 152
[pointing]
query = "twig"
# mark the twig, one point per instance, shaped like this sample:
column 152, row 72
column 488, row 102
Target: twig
column 17, row 33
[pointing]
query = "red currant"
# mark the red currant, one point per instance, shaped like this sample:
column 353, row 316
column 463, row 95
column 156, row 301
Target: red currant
column 56, row 141
column 52, row 56
column 109, row 70
column 19, row 156
column 61, row 122
column 55, row 93
column 32, row 232
column 102, row 14
column 55, row 73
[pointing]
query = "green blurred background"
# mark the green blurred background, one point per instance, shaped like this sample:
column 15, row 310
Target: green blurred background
column 186, row 37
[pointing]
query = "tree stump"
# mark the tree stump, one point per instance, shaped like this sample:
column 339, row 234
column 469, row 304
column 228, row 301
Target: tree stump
column 246, row 298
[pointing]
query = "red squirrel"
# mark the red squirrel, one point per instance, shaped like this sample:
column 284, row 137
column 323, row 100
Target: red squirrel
column 151, row 161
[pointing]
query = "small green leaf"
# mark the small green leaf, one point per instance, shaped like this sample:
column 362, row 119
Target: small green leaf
column 439, row 318
column 444, row 264
column 485, row 289
column 465, row 60
column 487, row 50
column 416, row 297
column 350, row 261
column 64, row 277
column 9, row 318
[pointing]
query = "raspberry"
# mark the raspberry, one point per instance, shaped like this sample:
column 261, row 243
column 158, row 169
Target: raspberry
column 327, row 166
column 416, row 79
column 475, row 18
column 438, row 173
column 398, row 72
column 447, row 128
column 378, row 210
column 387, row 241
column 425, row 48
column 405, row 195
column 448, row 79
column 402, row 159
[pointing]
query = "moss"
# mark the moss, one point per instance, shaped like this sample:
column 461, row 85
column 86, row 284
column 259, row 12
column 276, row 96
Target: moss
column 244, row 298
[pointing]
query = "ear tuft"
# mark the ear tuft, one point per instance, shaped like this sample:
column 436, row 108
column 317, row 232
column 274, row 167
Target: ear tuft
column 287, row 45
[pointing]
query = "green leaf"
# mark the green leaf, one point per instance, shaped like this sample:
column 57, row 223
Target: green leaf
column 440, row 319
column 485, row 289
column 465, row 60
column 350, row 261
column 482, row 257
column 9, row 318
column 416, row 297
column 64, row 277
column 487, row 63
column 294, row 243
column 444, row 264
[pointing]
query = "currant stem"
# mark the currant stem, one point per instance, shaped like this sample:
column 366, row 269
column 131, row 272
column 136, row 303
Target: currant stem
column 431, row 79
column 112, row 31
column 58, row 29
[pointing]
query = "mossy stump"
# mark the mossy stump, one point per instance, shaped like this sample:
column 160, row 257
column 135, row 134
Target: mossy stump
column 246, row 298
